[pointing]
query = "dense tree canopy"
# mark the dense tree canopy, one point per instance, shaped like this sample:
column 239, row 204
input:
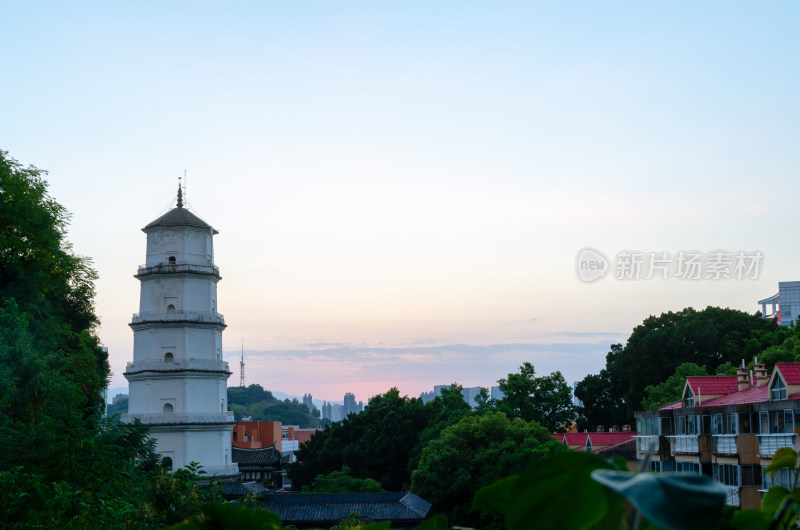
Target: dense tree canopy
column 473, row 453
column 546, row 400
column 709, row 338
column 63, row 465
column 374, row 444
column 261, row 405
column 342, row 482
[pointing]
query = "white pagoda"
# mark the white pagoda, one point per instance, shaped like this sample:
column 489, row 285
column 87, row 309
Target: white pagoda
column 178, row 380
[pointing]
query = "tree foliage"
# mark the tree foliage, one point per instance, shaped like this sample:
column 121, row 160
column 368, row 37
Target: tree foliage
column 670, row 390
column 374, row 444
column 342, row 481
column 63, row 465
column 261, row 405
column 708, row 338
column 547, row 400
column 473, row 453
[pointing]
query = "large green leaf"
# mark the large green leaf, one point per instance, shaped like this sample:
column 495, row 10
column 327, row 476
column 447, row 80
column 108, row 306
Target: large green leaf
column 555, row 492
column 749, row 520
column 437, row 522
column 785, row 457
column 773, row 499
column 671, row 501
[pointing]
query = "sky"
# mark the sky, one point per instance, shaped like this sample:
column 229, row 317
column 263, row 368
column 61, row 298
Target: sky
column 402, row 189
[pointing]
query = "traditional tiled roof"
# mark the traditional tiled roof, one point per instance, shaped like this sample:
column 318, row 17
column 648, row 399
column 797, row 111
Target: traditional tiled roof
column 712, row 385
column 264, row 456
column 325, row 508
column 755, row 394
column 238, row 489
column 790, row 372
column 178, row 217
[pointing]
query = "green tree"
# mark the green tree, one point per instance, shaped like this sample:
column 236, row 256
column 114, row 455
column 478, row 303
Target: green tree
column 62, row 465
column 546, row 400
column 375, row 443
column 473, row 453
column 670, row 390
column 442, row 411
column 261, row 405
column 708, row 338
column 342, row 482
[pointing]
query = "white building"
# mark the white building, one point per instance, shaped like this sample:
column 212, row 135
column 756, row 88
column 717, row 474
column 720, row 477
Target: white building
column 178, row 380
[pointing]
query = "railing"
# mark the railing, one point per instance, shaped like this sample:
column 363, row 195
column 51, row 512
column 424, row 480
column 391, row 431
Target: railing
column 643, row 443
column 178, row 316
column 732, row 497
column 158, row 365
column 212, row 270
column 683, row 443
column 769, row 443
column 176, row 419
column 725, row 444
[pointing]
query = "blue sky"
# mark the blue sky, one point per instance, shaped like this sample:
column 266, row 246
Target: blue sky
column 415, row 174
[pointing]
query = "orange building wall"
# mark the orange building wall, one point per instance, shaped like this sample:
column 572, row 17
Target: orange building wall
column 256, row 434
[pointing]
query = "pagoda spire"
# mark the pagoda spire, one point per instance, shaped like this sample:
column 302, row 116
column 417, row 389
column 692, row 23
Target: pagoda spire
column 180, row 194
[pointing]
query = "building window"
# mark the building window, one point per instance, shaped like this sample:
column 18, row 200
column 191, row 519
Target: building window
column 169, row 358
column 687, row 467
column 167, row 462
column 234, row 436
column 689, row 398
column 170, row 307
column 727, row 474
column 778, row 390
column 168, row 408
column 172, row 260
column 246, row 437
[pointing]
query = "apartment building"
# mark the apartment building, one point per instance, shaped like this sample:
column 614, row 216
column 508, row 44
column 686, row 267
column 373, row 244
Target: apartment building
column 727, row 427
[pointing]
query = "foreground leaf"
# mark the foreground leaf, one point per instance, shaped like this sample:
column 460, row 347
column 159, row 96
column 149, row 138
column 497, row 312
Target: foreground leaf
column 548, row 493
column 670, row 501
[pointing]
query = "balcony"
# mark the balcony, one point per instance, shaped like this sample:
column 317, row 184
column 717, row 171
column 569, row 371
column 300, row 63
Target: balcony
column 683, row 444
column 158, row 365
column 644, row 443
column 202, row 317
column 171, row 268
column 207, row 418
column 769, row 443
column 732, row 496
column 725, row 444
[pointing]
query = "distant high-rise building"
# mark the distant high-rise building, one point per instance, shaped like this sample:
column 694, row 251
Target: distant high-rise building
column 496, row 393
column 349, row 406
column 308, row 402
column 327, row 411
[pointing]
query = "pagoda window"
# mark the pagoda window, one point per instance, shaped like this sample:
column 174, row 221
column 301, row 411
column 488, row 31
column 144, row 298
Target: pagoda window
column 168, row 408
column 169, row 358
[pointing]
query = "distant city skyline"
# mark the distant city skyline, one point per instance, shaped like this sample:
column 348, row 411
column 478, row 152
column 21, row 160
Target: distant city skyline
column 402, row 190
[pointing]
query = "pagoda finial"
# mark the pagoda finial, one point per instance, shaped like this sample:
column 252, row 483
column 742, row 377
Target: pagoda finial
column 180, row 194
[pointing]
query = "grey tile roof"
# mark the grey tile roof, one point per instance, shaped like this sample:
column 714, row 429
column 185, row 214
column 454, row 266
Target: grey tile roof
column 178, row 217
column 323, row 508
column 264, row 456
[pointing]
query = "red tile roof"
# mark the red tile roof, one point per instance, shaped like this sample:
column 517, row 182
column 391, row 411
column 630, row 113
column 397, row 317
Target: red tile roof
column 573, row 438
column 755, row 394
column 712, row 385
column 613, row 446
column 790, row 372
column 610, row 438
column 597, row 438
column 675, row 405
